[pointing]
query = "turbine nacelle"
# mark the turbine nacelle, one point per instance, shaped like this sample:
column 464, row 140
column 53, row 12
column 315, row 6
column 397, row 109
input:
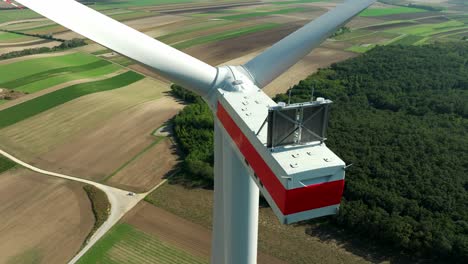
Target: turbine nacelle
column 300, row 181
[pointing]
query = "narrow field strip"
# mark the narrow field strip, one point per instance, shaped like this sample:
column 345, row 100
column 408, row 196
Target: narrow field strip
column 38, row 105
column 429, row 29
column 126, row 244
column 190, row 29
column 296, row 2
column 224, row 35
column 390, row 11
column 262, row 14
column 407, row 40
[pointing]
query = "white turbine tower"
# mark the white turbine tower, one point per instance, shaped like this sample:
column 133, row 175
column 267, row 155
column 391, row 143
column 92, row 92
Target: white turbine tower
column 298, row 175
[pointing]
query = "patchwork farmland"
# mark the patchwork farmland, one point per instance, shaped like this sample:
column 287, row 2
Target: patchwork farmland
column 92, row 113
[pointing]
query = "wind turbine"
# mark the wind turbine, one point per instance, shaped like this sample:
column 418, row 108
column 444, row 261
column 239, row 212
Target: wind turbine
column 295, row 171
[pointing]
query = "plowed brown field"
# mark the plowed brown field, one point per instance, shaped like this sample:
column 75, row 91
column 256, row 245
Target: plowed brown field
column 42, row 219
column 149, row 169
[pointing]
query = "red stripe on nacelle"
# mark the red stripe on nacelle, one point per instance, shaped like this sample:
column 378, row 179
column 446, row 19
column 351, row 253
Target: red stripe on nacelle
column 288, row 201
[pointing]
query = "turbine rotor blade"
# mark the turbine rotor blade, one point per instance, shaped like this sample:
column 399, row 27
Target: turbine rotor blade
column 169, row 62
column 277, row 59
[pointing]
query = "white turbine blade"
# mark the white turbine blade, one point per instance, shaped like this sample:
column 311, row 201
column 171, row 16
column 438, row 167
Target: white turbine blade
column 169, row 62
column 277, row 59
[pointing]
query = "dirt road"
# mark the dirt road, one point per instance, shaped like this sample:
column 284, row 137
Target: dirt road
column 119, row 199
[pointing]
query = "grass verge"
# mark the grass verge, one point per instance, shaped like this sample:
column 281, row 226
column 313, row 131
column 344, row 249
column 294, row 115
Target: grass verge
column 127, row 244
column 6, row 164
column 43, row 103
column 100, row 205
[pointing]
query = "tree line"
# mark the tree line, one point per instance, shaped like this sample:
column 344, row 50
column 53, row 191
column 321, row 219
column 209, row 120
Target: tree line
column 67, row 44
column 400, row 116
column 42, row 36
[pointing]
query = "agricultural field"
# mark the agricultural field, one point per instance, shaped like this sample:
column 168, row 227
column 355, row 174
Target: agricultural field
column 14, row 14
column 78, row 137
column 41, row 104
column 144, row 171
column 29, row 232
column 6, row 37
column 126, row 244
column 37, row 74
column 375, row 12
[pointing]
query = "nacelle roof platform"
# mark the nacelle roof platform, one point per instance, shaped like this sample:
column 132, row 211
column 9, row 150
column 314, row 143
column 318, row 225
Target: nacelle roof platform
column 300, row 181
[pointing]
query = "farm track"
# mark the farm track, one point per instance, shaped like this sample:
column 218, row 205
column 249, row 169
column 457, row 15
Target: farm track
column 119, row 199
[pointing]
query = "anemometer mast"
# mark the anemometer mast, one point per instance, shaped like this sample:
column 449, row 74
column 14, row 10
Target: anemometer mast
column 260, row 146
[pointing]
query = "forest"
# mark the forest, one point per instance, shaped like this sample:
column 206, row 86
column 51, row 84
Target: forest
column 400, row 117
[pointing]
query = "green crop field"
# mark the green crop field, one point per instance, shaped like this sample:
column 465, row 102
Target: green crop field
column 43, row 103
column 408, row 40
column 15, row 14
column 46, row 79
column 429, row 29
column 224, row 35
column 66, row 77
column 6, row 36
column 35, row 28
column 261, row 14
column 361, row 48
column 390, row 11
column 21, row 69
column 127, row 245
column 51, row 73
